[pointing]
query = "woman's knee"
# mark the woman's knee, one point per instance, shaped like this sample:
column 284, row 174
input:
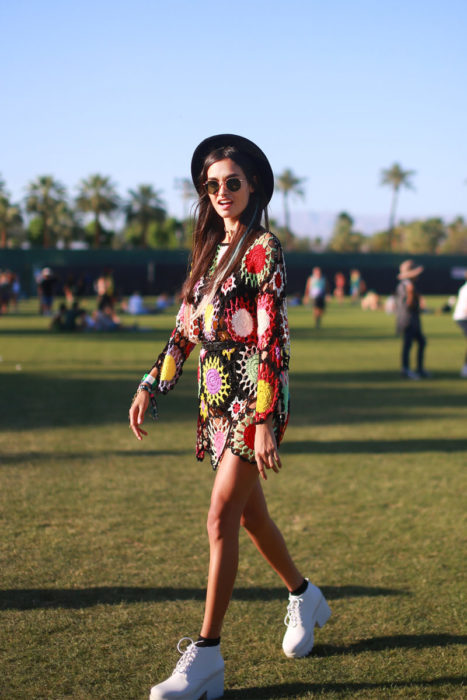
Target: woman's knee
column 223, row 520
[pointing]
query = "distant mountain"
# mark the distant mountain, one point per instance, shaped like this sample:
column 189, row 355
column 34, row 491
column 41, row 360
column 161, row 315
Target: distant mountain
column 319, row 224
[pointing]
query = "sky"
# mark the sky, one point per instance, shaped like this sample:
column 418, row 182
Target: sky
column 335, row 90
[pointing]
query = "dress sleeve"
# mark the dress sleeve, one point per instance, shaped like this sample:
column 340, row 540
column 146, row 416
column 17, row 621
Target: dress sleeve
column 170, row 362
column 273, row 337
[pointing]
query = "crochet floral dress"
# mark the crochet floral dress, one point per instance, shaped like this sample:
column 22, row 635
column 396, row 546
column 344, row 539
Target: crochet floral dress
column 244, row 358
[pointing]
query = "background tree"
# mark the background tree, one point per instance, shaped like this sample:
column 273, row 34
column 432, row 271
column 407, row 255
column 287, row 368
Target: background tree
column 188, row 194
column 10, row 215
column 380, row 242
column 144, row 207
column 106, row 235
column 396, row 178
column 344, row 239
column 66, row 225
column 44, row 197
column 97, row 195
column 424, row 236
column 290, row 185
column 164, row 234
column 456, row 237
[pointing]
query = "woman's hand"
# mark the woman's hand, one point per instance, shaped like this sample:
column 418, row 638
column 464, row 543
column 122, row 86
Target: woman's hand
column 266, row 453
column 136, row 415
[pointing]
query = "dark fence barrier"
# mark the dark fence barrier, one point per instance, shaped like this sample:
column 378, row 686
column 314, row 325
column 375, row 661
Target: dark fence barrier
column 163, row 271
column 443, row 274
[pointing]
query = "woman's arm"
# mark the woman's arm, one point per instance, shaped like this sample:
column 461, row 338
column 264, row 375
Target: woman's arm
column 165, row 372
column 273, row 348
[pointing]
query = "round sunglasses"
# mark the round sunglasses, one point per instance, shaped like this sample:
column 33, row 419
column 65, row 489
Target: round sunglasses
column 233, row 184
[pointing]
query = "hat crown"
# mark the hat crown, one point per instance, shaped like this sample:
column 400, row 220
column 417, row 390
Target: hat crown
column 212, row 143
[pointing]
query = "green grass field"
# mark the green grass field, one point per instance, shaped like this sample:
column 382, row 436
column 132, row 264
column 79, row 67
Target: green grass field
column 104, row 553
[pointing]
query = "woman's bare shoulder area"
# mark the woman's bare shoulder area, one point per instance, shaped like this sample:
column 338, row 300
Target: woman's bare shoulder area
column 268, row 238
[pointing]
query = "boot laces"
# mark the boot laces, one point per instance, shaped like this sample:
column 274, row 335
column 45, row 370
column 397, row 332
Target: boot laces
column 187, row 656
column 292, row 617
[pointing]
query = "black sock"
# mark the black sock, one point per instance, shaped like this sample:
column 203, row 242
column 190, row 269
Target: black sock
column 301, row 589
column 206, row 642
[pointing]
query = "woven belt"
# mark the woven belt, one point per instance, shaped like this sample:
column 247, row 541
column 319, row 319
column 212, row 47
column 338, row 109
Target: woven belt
column 216, row 345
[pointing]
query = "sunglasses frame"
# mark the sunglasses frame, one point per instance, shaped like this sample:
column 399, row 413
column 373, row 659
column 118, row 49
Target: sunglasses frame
column 226, row 182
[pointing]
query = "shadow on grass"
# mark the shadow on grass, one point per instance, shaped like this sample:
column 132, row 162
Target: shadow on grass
column 66, row 457
column 296, row 447
column 297, row 690
column 37, row 598
column 364, row 377
column 374, row 446
column 401, row 641
column 45, row 400
column 135, row 335
column 29, row 400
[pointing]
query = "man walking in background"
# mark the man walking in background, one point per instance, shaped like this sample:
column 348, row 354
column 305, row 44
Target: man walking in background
column 408, row 319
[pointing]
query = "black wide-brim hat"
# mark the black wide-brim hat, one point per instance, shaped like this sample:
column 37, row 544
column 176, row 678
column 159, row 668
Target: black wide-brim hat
column 212, row 143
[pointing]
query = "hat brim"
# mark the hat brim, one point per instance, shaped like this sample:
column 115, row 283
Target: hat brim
column 246, row 146
column 408, row 274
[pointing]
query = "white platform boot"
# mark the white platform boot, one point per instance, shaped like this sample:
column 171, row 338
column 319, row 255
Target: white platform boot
column 198, row 675
column 303, row 613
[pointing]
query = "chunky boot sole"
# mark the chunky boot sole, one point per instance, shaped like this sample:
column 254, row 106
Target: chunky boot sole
column 212, row 689
column 215, row 688
column 321, row 614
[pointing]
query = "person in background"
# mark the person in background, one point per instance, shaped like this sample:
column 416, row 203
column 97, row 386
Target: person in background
column 58, row 320
column 355, row 282
column 408, row 322
column 163, row 302
column 15, row 291
column 106, row 319
column 315, row 291
column 339, row 288
column 460, row 316
column 135, row 305
column 105, row 288
column 69, row 288
column 371, row 301
column 6, row 278
column 46, row 288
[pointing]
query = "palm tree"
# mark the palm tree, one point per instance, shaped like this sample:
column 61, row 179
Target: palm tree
column 44, row 196
column 66, row 224
column 10, row 215
column 396, row 178
column 187, row 193
column 144, row 207
column 289, row 184
column 344, row 239
column 97, row 195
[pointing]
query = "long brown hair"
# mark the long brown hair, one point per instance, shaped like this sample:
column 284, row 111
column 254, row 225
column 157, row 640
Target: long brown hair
column 209, row 226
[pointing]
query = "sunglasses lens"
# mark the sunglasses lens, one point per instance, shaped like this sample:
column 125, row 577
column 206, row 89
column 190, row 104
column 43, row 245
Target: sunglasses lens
column 212, row 186
column 233, row 184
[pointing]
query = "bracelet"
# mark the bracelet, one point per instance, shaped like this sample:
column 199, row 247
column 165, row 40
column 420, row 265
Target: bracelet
column 144, row 387
column 152, row 400
column 148, row 379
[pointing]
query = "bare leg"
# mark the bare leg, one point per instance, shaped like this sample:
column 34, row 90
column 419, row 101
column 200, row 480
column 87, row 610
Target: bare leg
column 318, row 314
column 268, row 539
column 234, row 482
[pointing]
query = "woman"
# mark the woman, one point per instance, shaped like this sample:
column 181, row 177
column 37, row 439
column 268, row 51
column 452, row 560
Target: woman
column 316, row 291
column 234, row 305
